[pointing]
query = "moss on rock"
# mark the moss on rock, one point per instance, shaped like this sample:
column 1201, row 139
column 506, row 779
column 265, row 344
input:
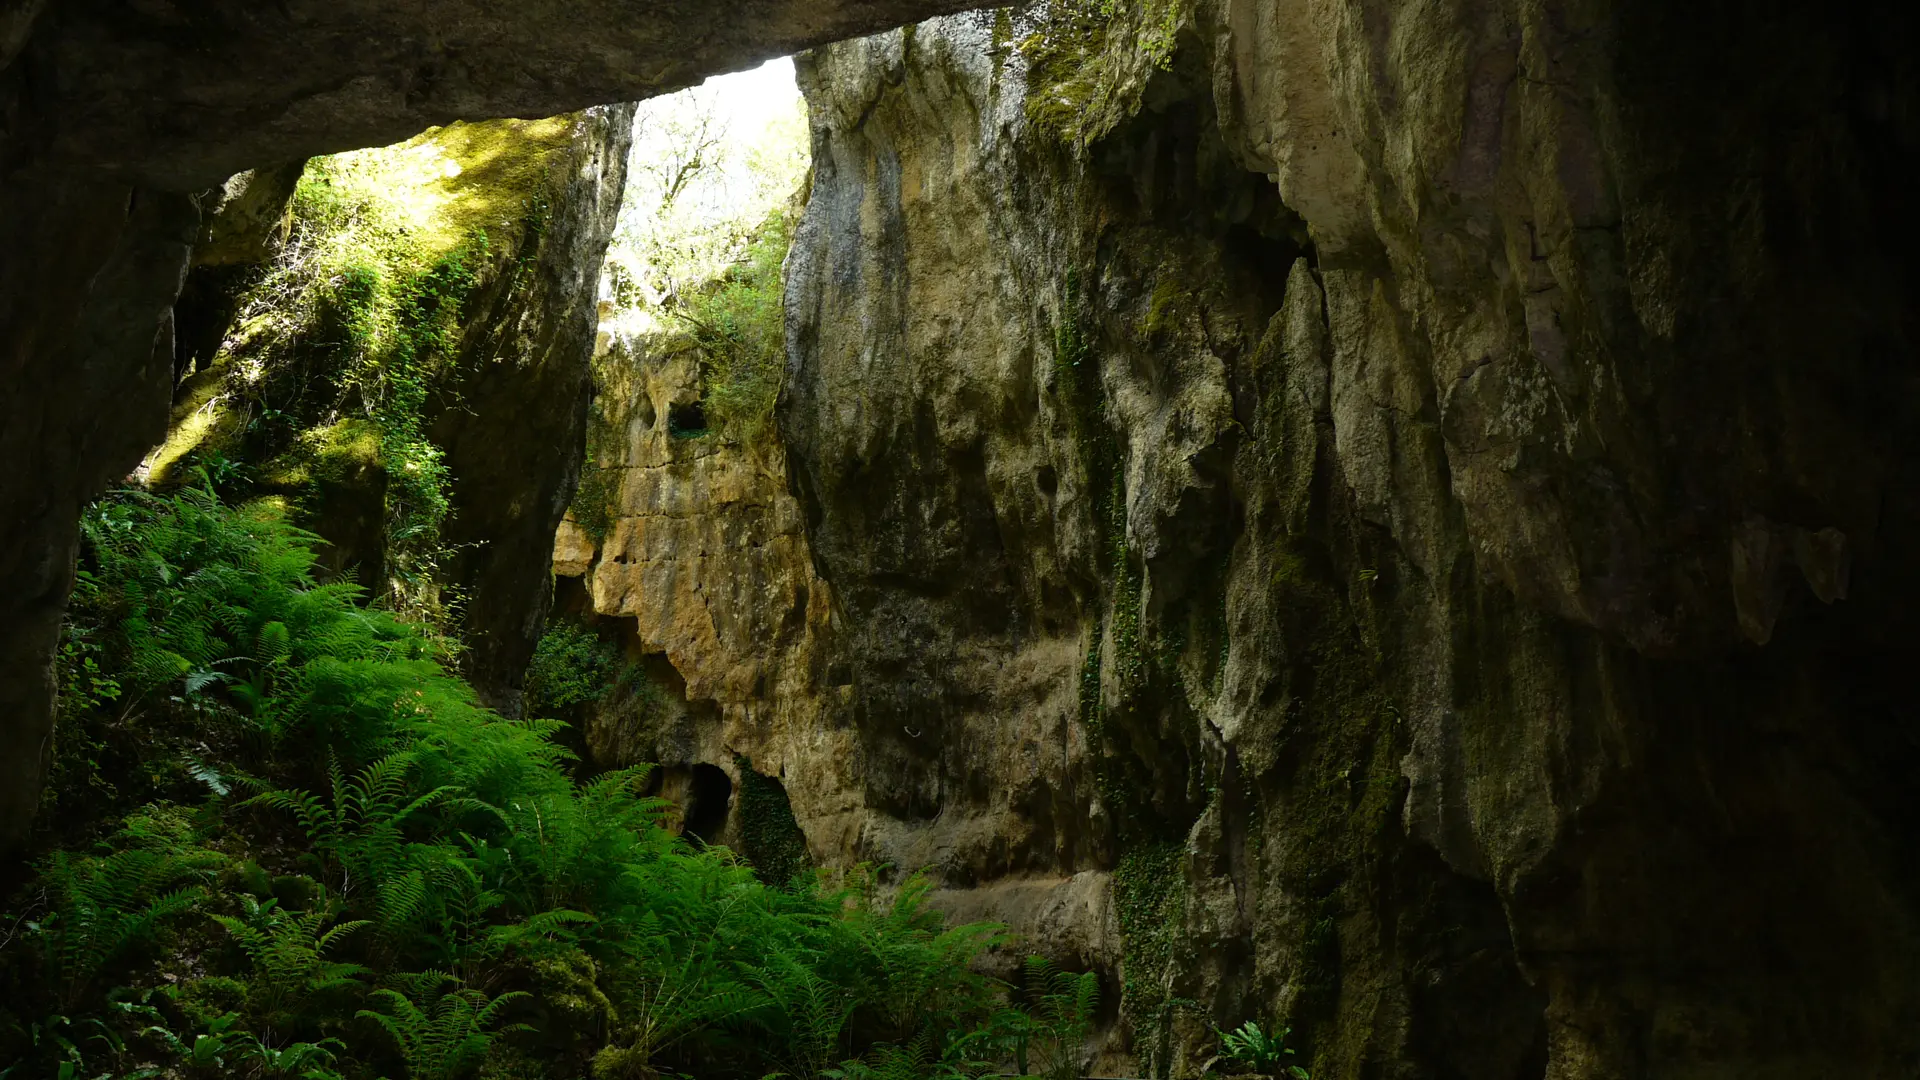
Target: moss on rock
column 352, row 335
column 770, row 838
column 1089, row 62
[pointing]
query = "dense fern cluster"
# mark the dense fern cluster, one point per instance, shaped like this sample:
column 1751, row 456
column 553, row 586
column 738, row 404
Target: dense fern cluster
column 287, row 842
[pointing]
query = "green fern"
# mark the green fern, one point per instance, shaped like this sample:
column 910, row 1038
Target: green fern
column 289, row 955
column 102, row 906
column 918, row 970
column 226, row 1049
column 440, row 837
column 1261, row 1052
column 361, row 827
column 442, row 1029
column 679, row 978
column 914, row 1061
column 1051, row 1040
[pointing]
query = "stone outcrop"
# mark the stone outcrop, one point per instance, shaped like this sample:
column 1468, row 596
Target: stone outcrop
column 1380, row 518
column 691, row 551
column 512, row 420
column 113, row 116
column 688, row 548
column 508, row 221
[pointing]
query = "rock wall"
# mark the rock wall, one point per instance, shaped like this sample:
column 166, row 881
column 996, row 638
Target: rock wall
column 512, row 419
column 690, row 548
column 693, row 558
column 1378, row 518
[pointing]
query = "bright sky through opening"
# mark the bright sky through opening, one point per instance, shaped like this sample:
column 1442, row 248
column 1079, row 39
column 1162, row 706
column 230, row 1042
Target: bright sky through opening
column 710, row 166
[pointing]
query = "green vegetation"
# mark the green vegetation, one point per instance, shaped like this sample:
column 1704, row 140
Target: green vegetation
column 1261, row 1052
column 738, row 327
column 374, row 300
column 1149, row 889
column 1044, row 1031
column 1050, row 1036
column 307, row 851
column 696, row 264
column 347, row 342
column 596, row 501
column 770, row 838
column 571, row 667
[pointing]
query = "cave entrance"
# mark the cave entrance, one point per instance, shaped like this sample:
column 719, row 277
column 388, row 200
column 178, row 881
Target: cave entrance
column 709, row 800
column 688, row 421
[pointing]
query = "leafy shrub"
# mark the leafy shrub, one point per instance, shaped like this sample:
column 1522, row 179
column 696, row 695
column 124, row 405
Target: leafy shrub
column 738, row 326
column 1261, row 1052
column 571, row 667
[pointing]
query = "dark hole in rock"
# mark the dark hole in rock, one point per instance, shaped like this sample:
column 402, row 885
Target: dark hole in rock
column 1049, row 481
column 687, row 421
column 709, row 796
column 647, row 414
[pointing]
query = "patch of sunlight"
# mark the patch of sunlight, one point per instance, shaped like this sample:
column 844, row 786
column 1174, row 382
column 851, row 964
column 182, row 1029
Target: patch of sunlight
column 202, row 406
column 444, row 184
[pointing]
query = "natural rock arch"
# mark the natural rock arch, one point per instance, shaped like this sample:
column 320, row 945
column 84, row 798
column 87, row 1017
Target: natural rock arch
column 112, row 115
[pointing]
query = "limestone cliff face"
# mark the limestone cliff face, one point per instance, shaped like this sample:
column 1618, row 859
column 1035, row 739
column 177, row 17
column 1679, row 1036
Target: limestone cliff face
column 693, row 536
column 691, row 547
column 1412, row 493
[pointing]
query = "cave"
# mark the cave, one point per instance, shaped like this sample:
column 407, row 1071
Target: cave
column 688, row 420
column 709, row 800
column 1377, row 521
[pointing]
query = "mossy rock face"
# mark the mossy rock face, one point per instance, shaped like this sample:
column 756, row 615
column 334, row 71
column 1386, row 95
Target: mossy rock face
column 409, row 369
column 344, row 488
column 770, row 838
column 1222, row 468
column 445, row 186
column 1089, row 61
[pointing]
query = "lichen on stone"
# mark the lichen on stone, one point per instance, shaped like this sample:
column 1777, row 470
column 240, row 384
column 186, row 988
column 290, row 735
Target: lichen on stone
column 1088, row 62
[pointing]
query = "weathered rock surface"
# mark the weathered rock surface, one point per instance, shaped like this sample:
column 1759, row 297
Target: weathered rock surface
column 86, row 355
column 513, row 417
column 702, row 567
column 1416, row 499
column 111, row 115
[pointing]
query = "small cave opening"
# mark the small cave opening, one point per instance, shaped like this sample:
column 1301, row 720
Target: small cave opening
column 709, row 800
column 687, row 420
